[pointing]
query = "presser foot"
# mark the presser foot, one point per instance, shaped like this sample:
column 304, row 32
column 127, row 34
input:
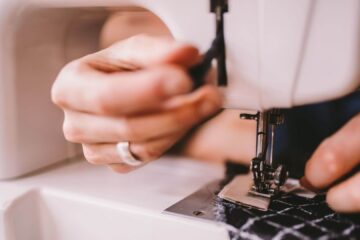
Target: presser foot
column 256, row 189
column 267, row 179
column 255, row 192
column 267, row 182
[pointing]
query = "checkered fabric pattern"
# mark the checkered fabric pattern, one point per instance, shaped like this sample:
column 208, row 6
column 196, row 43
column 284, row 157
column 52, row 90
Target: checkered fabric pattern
column 289, row 217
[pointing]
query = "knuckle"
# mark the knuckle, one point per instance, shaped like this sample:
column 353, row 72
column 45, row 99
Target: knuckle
column 102, row 98
column 90, row 155
column 120, row 130
column 57, row 95
column 59, row 91
column 71, row 132
column 128, row 130
column 95, row 154
column 329, row 156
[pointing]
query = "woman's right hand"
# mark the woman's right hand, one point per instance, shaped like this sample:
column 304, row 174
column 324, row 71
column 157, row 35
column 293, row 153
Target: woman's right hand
column 137, row 90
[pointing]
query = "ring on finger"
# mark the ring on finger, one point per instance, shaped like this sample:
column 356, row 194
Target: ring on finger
column 123, row 149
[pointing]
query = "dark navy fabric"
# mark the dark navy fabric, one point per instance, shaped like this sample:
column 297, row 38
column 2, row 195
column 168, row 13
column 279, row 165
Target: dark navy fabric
column 289, row 217
column 307, row 126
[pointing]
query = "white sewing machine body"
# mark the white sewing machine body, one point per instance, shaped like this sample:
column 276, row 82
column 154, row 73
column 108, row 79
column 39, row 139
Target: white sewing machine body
column 280, row 53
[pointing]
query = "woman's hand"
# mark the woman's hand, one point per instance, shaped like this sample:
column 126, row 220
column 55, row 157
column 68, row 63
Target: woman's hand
column 335, row 157
column 137, row 90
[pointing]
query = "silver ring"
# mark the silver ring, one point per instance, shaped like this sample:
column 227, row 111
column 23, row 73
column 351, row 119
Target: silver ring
column 123, row 149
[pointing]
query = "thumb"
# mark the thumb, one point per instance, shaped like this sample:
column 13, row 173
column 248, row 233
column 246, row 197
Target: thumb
column 143, row 51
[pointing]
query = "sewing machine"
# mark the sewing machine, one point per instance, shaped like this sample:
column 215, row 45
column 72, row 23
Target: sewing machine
column 279, row 54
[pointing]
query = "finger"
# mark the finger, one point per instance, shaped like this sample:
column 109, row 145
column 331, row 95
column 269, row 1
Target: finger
column 106, row 154
column 153, row 150
column 86, row 128
column 144, row 51
column 345, row 197
column 81, row 88
column 336, row 156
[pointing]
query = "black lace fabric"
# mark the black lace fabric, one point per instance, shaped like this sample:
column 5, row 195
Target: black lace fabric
column 289, row 217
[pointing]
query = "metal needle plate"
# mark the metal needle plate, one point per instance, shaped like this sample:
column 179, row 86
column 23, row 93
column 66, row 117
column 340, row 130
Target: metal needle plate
column 200, row 204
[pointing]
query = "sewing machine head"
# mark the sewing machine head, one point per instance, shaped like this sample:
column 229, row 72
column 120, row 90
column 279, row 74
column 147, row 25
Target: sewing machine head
column 278, row 54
